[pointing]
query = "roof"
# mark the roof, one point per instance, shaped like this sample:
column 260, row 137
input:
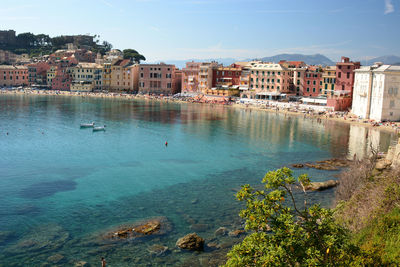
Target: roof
column 268, row 66
column 122, row 62
column 88, row 65
column 7, row 67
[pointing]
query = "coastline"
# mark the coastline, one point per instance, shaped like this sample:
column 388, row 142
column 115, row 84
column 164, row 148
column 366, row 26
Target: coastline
column 292, row 110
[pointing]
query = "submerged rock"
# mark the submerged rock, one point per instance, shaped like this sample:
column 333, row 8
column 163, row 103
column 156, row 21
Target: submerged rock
column 191, row 242
column 221, row 231
column 82, row 264
column 157, row 250
column 45, row 237
column 236, row 233
column 56, row 258
column 200, row 227
column 298, row 165
column 6, row 236
column 319, row 186
column 151, row 227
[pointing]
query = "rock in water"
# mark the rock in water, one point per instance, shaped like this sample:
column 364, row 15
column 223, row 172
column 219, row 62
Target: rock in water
column 82, row 264
column 319, row 186
column 191, row 242
column 221, row 231
column 157, row 250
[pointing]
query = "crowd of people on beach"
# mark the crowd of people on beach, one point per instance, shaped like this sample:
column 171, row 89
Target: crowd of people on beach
column 315, row 111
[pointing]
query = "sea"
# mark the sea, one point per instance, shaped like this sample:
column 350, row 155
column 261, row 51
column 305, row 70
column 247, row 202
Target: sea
column 63, row 188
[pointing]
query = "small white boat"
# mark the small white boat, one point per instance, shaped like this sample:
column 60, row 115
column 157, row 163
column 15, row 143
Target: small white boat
column 87, row 125
column 99, row 128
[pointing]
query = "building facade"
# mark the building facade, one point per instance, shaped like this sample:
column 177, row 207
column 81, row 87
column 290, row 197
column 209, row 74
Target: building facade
column 206, row 75
column 312, row 81
column 190, row 77
column 328, row 80
column 37, row 73
column 376, row 93
column 13, row 75
column 86, row 73
column 270, row 80
column 158, row 79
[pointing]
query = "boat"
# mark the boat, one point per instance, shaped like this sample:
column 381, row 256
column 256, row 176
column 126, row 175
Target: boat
column 87, row 125
column 99, row 128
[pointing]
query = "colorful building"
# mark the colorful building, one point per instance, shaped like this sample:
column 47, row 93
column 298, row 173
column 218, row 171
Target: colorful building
column 343, row 93
column 328, row 80
column 270, row 81
column 312, row 81
column 13, row 75
column 118, row 75
column 298, row 69
column 226, row 77
column 86, row 73
column 158, row 79
column 37, row 73
column 206, row 75
column 376, row 93
column 190, row 77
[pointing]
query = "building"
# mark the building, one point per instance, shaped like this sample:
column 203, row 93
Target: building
column 86, row 73
column 206, row 75
column 122, row 75
column 158, row 79
column 376, row 93
column 60, row 74
column 312, row 81
column 328, row 80
column 190, row 77
column 345, row 74
column 226, row 77
column 7, row 57
column 298, row 69
column 37, row 73
column 342, row 96
column 270, row 81
column 13, row 75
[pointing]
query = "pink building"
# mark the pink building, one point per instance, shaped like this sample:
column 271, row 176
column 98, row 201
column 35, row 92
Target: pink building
column 38, row 73
column 312, row 81
column 159, row 79
column 13, row 75
column 343, row 93
column 190, row 77
column 62, row 79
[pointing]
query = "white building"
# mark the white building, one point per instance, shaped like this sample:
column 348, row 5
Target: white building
column 376, row 93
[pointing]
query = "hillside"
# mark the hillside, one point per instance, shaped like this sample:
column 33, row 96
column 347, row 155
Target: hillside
column 316, row 59
column 390, row 59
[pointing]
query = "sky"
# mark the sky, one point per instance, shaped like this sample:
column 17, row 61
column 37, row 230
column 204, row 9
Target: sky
column 165, row 30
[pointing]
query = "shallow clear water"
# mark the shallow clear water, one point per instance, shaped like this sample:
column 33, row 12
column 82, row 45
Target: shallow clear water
column 60, row 186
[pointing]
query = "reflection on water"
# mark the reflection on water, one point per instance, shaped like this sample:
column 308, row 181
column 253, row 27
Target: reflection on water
column 61, row 186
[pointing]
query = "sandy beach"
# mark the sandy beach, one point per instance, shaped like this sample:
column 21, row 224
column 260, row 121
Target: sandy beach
column 293, row 109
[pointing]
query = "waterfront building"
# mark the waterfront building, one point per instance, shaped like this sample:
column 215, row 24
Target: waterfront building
column 343, row 93
column 298, row 69
column 225, row 81
column 376, row 93
column 13, row 75
column 106, row 76
column 312, row 81
column 61, row 74
column 328, row 80
column 270, row 80
column 84, row 74
column 190, row 77
column 206, row 75
column 51, row 73
column 117, row 72
column 158, row 79
column 37, row 73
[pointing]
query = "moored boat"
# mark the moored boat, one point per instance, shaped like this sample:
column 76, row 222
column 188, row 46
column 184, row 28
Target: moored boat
column 87, row 125
column 99, row 128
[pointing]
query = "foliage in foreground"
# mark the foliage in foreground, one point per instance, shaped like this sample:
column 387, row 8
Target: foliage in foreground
column 289, row 235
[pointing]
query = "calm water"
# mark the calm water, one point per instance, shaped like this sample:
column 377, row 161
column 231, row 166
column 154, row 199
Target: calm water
column 60, row 186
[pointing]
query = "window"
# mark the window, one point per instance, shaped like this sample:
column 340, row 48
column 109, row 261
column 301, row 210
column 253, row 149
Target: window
column 298, row 74
column 340, row 74
column 279, row 73
column 392, row 103
column 278, row 80
column 141, row 75
column 308, row 89
column 313, row 90
column 308, row 82
column 348, row 75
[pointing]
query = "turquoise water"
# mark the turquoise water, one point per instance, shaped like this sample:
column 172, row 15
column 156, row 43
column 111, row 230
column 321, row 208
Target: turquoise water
column 60, row 186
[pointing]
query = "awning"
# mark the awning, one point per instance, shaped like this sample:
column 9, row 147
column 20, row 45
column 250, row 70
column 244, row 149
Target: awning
column 243, row 88
column 314, row 100
column 268, row 93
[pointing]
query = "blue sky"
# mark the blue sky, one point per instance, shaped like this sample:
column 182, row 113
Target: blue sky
column 182, row 29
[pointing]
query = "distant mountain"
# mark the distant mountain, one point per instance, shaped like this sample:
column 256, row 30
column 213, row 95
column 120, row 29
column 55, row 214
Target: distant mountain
column 182, row 63
column 316, row 59
column 390, row 60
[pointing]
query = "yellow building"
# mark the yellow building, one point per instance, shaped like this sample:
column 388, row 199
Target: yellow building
column 87, row 73
column 124, row 76
column 328, row 80
column 51, row 73
column 107, row 76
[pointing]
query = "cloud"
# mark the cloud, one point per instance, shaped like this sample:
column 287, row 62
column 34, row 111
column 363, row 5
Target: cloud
column 389, row 8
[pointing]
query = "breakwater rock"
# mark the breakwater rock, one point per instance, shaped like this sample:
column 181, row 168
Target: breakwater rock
column 327, row 165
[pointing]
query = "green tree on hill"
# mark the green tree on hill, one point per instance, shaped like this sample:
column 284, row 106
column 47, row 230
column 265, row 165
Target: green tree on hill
column 290, row 235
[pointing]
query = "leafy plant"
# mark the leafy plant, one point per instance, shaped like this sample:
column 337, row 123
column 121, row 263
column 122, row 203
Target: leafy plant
column 290, row 235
